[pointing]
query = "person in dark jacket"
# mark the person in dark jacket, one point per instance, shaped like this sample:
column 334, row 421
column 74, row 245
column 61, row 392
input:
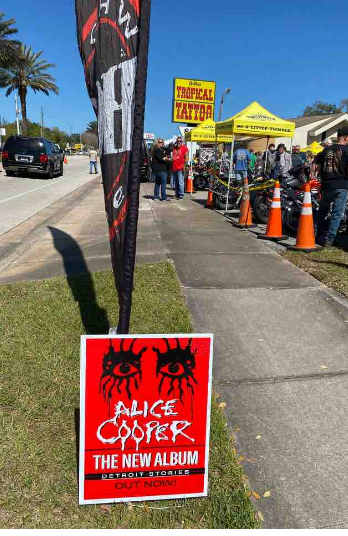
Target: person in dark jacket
column 332, row 164
column 160, row 169
column 270, row 159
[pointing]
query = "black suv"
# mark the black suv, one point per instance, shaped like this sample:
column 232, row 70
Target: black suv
column 32, row 155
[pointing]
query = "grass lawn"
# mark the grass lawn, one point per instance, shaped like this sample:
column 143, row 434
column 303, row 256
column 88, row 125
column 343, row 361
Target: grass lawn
column 39, row 347
column 328, row 265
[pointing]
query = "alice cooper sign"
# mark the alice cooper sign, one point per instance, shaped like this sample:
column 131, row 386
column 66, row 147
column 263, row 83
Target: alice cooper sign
column 144, row 417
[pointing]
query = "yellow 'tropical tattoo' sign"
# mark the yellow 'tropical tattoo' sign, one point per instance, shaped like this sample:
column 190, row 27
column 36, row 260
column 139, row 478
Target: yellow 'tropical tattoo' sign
column 193, row 101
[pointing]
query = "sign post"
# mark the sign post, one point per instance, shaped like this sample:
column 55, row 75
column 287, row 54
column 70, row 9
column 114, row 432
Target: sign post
column 144, row 417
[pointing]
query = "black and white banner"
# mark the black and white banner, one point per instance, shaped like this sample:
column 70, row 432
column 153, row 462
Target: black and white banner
column 113, row 38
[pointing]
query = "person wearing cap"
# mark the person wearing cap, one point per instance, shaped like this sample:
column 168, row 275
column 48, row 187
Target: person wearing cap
column 180, row 158
column 333, row 168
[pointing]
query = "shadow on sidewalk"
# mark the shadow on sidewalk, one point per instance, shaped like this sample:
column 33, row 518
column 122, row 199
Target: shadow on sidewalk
column 80, row 281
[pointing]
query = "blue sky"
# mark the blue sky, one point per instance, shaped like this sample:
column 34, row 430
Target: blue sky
column 283, row 56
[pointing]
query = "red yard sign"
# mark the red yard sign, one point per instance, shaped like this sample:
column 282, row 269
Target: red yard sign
column 144, row 417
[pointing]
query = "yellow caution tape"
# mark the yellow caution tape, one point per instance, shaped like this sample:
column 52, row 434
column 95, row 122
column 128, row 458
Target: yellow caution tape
column 263, row 186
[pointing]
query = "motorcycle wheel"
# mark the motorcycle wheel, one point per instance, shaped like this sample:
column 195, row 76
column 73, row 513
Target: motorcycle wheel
column 291, row 219
column 200, row 182
column 220, row 203
column 260, row 209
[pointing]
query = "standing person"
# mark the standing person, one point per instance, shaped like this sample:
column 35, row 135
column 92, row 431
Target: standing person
column 260, row 161
column 296, row 162
column 283, row 160
column 333, row 168
column 271, row 160
column 241, row 160
column 179, row 159
column 160, row 169
column 93, row 160
column 327, row 143
column 253, row 159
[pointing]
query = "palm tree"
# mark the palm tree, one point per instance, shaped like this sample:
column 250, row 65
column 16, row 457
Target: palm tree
column 92, row 127
column 29, row 73
column 9, row 48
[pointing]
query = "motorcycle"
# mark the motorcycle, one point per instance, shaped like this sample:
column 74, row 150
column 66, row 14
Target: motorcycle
column 236, row 190
column 291, row 196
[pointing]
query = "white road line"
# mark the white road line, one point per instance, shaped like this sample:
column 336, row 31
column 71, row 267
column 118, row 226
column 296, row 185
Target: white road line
column 181, row 208
column 40, row 187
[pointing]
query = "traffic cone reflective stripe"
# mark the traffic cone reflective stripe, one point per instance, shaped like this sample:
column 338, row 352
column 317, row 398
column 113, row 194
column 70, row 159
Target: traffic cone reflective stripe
column 274, row 229
column 189, row 184
column 305, row 239
column 245, row 218
column 210, row 200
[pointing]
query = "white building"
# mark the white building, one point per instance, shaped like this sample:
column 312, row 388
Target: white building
column 315, row 128
column 308, row 129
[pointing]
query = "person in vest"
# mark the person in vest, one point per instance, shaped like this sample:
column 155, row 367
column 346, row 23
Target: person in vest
column 332, row 165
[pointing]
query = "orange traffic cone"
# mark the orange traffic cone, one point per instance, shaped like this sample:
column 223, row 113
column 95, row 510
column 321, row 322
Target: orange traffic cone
column 210, row 201
column 65, row 160
column 305, row 240
column 245, row 219
column 274, row 229
column 189, row 184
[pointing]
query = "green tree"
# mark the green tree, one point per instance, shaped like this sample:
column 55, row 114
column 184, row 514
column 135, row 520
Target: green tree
column 53, row 134
column 321, row 108
column 29, row 73
column 344, row 105
column 92, row 127
column 9, row 48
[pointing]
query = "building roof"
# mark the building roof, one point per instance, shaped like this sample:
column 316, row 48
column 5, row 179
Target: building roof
column 307, row 120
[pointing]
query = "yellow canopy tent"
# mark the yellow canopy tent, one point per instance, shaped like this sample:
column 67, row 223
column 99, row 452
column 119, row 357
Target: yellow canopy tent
column 205, row 133
column 314, row 148
column 254, row 120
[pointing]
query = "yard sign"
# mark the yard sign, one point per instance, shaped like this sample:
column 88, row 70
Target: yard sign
column 144, row 417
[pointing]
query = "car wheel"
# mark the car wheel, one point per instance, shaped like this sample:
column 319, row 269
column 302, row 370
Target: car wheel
column 61, row 170
column 50, row 174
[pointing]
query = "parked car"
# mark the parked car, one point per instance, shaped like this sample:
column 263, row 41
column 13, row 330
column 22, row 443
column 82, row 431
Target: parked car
column 23, row 154
column 145, row 163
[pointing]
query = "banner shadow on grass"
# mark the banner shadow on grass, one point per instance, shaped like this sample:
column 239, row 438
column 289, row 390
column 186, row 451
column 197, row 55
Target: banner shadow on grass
column 80, row 281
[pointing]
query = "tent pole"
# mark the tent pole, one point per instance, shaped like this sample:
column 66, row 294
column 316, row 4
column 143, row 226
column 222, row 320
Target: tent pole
column 266, row 153
column 230, row 173
column 221, row 162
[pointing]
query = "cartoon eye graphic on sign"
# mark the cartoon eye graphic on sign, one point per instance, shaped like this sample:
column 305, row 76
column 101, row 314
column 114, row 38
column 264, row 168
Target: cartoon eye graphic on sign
column 120, row 367
column 176, row 365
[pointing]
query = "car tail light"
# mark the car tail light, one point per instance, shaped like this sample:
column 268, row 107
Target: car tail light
column 43, row 158
column 146, row 161
column 5, row 155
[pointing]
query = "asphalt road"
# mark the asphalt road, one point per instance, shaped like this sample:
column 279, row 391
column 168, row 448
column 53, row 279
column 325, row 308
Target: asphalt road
column 21, row 198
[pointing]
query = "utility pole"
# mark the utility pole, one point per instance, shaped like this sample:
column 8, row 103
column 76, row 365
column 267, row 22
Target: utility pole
column 42, row 123
column 17, row 114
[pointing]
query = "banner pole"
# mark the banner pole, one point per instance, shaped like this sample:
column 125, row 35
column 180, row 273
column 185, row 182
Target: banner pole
column 230, row 173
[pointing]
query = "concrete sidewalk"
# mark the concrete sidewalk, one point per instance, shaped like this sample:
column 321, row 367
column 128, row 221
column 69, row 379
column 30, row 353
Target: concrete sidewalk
column 280, row 357
column 280, row 361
